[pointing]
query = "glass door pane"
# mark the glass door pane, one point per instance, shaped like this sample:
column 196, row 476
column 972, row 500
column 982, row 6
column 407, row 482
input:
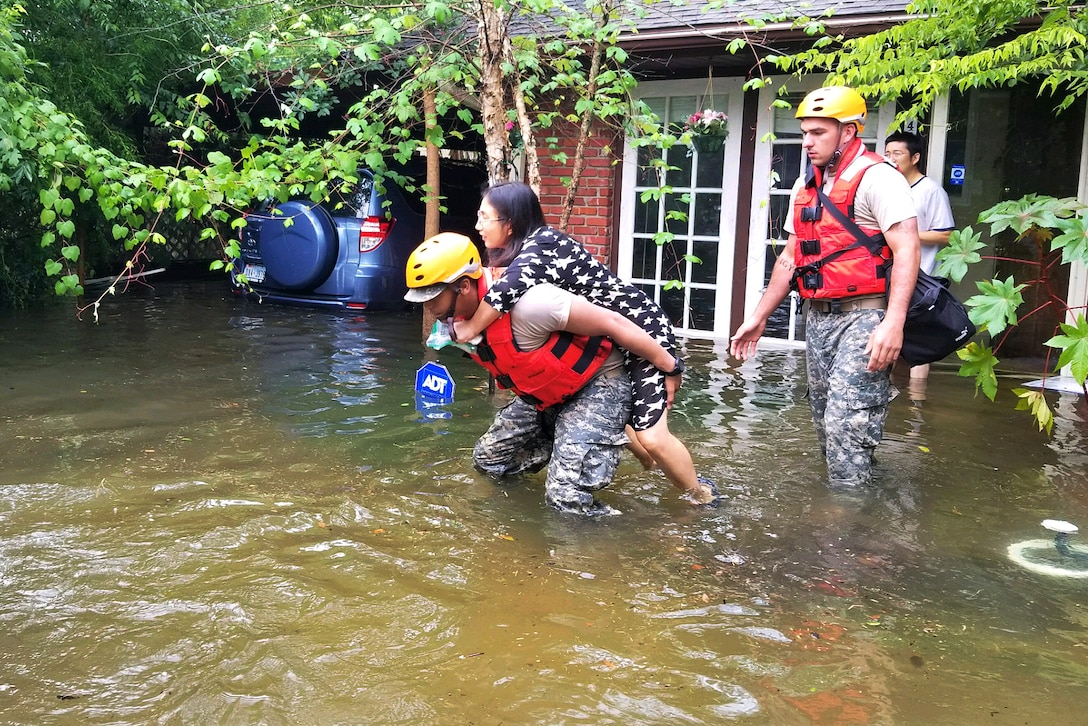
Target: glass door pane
column 787, row 159
column 1003, row 144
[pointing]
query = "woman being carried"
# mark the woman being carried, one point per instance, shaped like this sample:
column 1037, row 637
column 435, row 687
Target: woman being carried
column 512, row 226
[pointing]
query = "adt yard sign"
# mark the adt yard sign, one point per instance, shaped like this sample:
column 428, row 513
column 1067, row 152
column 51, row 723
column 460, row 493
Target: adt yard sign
column 434, row 384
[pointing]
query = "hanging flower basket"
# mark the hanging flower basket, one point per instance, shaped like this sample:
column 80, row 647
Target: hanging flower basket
column 708, row 129
column 707, row 144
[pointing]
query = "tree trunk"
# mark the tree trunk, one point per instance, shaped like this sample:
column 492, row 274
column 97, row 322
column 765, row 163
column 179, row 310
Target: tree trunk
column 492, row 39
column 432, row 223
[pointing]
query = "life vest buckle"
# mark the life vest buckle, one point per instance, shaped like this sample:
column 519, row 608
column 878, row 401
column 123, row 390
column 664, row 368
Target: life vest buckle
column 812, row 279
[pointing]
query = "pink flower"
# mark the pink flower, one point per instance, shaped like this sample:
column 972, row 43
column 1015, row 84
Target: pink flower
column 708, row 122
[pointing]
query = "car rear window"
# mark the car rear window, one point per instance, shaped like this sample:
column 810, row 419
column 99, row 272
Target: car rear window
column 354, row 203
column 462, row 185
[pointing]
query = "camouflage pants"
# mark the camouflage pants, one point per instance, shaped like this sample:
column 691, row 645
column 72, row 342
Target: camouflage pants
column 580, row 441
column 849, row 404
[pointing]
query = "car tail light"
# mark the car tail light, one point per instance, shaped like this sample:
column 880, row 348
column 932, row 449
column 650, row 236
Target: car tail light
column 373, row 233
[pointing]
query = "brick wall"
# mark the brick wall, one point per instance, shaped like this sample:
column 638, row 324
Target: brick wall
column 592, row 219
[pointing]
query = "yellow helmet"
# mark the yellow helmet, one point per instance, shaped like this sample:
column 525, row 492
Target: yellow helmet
column 843, row 104
column 439, row 261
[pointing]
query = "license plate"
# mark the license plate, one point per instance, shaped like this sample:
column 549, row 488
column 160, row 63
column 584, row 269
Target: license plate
column 254, row 273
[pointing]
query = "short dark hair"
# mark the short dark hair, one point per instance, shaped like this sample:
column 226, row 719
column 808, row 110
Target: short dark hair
column 518, row 204
column 915, row 144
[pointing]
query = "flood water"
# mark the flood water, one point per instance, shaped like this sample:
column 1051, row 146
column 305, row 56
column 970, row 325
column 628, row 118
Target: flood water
column 218, row 512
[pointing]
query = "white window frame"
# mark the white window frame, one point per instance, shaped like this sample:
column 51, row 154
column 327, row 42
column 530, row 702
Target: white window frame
column 1078, row 272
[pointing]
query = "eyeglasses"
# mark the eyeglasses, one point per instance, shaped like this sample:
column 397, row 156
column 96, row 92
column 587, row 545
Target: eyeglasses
column 483, row 219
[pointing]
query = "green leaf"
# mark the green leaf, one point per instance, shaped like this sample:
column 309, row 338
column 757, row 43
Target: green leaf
column 1073, row 240
column 71, row 284
column 1035, row 402
column 1020, row 215
column 52, row 267
column 960, row 253
column 367, row 51
column 1074, row 347
column 70, row 252
column 979, row 361
column 209, row 76
column 48, row 197
column 385, row 33
column 995, row 309
column 220, row 160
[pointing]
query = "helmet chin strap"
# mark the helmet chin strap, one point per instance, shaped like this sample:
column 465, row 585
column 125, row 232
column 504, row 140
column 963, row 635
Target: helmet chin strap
column 837, row 156
column 449, row 313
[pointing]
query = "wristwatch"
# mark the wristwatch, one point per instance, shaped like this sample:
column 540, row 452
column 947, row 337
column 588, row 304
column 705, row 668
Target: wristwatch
column 677, row 369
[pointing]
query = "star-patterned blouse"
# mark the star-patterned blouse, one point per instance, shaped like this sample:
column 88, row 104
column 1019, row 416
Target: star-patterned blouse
column 549, row 255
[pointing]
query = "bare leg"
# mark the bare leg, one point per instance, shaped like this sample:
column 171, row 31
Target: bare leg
column 921, row 371
column 675, row 460
column 640, row 452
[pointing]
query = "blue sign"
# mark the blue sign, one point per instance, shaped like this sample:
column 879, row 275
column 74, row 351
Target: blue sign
column 959, row 173
column 434, row 384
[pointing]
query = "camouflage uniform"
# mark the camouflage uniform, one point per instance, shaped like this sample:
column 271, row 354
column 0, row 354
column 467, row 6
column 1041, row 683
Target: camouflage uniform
column 849, row 404
column 580, row 441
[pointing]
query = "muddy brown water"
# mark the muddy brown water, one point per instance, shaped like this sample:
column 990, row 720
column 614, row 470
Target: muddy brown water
column 215, row 511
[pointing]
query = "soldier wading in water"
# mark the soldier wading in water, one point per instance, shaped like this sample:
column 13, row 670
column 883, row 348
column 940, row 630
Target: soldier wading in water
column 857, row 301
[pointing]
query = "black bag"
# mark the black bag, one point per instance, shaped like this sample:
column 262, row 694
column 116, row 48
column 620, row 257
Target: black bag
column 937, row 324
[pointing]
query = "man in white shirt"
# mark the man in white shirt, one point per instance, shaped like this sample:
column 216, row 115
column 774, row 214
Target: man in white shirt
column 935, row 223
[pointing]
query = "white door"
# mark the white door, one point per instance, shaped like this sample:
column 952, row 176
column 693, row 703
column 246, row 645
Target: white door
column 677, row 226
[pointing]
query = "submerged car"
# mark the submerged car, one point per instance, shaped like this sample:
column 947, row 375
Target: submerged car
column 350, row 252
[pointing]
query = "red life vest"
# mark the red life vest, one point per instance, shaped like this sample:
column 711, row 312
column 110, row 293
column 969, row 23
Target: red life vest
column 544, row 377
column 830, row 262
